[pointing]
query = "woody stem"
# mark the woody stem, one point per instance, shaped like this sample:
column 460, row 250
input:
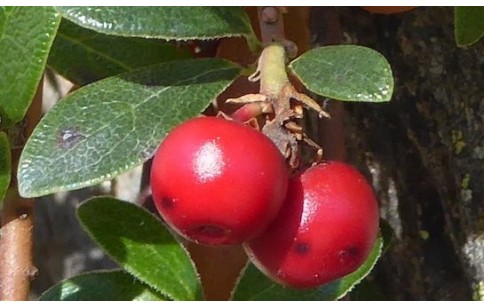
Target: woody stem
column 16, row 235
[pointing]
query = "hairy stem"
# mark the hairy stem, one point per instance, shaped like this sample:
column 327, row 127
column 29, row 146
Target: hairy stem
column 272, row 66
column 272, row 62
column 16, row 261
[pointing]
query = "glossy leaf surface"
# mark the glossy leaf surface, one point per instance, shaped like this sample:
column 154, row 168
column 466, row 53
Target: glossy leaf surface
column 114, row 285
column 26, row 35
column 142, row 246
column 346, row 73
column 84, row 56
column 177, row 23
column 115, row 124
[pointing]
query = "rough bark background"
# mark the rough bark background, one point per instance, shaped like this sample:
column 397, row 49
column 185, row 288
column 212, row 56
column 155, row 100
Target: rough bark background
column 423, row 151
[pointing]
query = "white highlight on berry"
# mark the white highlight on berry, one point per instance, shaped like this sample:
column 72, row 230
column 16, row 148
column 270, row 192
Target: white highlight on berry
column 208, row 162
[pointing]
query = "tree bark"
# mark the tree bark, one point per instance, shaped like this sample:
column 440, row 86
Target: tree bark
column 423, row 152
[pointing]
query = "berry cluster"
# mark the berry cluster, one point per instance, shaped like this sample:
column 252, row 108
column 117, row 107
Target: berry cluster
column 219, row 182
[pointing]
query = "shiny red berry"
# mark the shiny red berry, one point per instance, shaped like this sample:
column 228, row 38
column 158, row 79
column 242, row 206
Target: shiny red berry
column 325, row 229
column 218, row 182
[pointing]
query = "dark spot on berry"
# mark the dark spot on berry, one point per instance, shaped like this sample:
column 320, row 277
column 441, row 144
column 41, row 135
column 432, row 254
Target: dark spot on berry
column 210, row 234
column 167, row 203
column 69, row 137
column 211, row 231
column 301, row 248
column 349, row 253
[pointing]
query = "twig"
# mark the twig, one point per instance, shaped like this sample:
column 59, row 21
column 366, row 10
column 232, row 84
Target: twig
column 271, row 24
column 16, row 261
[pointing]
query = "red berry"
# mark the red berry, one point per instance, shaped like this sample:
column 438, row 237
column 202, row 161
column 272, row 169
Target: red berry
column 218, row 182
column 387, row 10
column 325, row 229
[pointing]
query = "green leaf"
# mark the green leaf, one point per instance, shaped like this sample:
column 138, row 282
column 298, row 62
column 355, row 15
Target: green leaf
column 5, row 164
column 113, row 285
column 115, row 124
column 26, row 34
column 345, row 73
column 84, row 56
column 142, row 246
column 180, row 23
column 468, row 24
column 256, row 286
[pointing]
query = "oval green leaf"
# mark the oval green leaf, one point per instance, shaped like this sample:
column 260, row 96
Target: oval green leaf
column 346, row 73
column 254, row 285
column 26, row 35
column 179, row 23
column 5, row 165
column 113, row 285
column 115, row 124
column 142, row 246
column 84, row 56
column 468, row 24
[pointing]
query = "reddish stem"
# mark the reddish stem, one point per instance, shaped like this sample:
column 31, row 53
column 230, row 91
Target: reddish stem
column 16, row 261
column 332, row 136
column 247, row 112
column 271, row 24
column 16, row 265
column 218, row 267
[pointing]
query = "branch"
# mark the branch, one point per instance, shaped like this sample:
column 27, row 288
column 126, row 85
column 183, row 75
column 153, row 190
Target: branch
column 271, row 24
column 16, row 261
